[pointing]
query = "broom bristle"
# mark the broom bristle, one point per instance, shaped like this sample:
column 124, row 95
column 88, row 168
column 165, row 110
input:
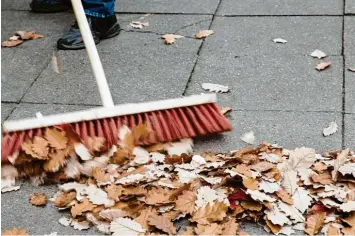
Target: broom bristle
column 168, row 125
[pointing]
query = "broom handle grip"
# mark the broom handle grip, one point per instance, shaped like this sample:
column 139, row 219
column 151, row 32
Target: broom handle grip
column 90, row 46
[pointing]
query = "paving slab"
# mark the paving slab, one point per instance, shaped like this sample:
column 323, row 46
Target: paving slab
column 349, row 6
column 187, row 25
column 21, row 65
column 349, row 84
column 267, row 82
column 253, row 35
column 349, row 35
column 23, row 5
column 349, row 133
column 6, row 109
column 288, row 129
column 167, row 6
column 29, row 110
column 139, row 67
column 16, row 211
column 281, row 7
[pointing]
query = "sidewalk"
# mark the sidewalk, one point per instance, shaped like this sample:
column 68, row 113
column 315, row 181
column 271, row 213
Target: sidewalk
column 275, row 90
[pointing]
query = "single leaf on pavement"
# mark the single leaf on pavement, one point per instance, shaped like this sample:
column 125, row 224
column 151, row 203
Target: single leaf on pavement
column 314, row 221
column 28, row 35
column 186, row 202
column 162, row 223
column 142, row 219
column 14, row 231
column 11, row 43
column 321, row 66
column 211, row 229
column 331, row 129
column 38, row 199
column 248, row 137
column 279, row 40
column 225, row 110
column 82, row 207
column 210, row 213
column 318, row 54
column 204, row 33
column 215, row 88
column 126, row 226
column 171, row 38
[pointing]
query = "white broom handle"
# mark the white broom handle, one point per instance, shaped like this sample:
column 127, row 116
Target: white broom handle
column 90, row 46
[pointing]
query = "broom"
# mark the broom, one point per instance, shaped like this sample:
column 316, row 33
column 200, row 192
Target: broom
column 168, row 119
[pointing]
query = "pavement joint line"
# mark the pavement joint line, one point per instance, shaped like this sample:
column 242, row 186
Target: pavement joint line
column 189, row 25
column 343, row 87
column 199, row 50
column 53, row 103
column 152, row 32
column 310, row 15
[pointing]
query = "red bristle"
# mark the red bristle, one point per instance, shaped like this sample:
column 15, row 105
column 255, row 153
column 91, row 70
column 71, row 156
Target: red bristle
column 166, row 125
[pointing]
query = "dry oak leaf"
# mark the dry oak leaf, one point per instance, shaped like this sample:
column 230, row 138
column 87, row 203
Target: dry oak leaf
column 230, row 227
column 95, row 144
column 331, row 129
column 262, row 166
column 259, row 196
column 28, row 35
column 140, row 132
column 251, row 206
column 204, row 33
column 225, row 110
column 125, row 226
column 56, row 138
column 142, row 219
column 171, row 38
column 321, row 66
column 37, row 148
column 38, row 199
column 250, row 183
column 157, row 196
column 243, row 170
column 100, row 175
column 300, row 158
column 319, row 167
column 186, row 202
column 162, row 223
column 341, row 159
column 64, row 198
column 274, row 228
column 322, row 178
column 11, row 43
column 58, row 159
column 14, row 231
column 210, row 213
column 289, row 181
column 314, row 222
column 211, row 229
column 284, row 196
column 82, row 207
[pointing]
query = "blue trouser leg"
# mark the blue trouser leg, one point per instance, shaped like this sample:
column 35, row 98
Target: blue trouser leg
column 99, row 8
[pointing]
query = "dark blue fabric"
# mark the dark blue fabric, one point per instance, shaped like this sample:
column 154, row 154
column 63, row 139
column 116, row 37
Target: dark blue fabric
column 99, row 8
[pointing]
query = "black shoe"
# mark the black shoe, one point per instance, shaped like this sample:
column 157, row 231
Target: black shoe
column 101, row 28
column 50, row 6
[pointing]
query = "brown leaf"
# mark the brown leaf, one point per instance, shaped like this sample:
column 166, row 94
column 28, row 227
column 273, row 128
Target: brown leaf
column 114, row 191
column 350, row 220
column 273, row 173
column 351, row 69
column 230, row 227
column 252, row 206
column 210, row 213
column 160, row 222
column 28, row 35
column 225, row 110
column 142, row 219
column 58, row 159
column 314, row 221
column 319, row 167
column 204, row 33
column 14, row 231
column 250, row 183
column 188, row 231
column 38, row 199
column 323, row 178
column 63, row 199
column 333, row 231
column 175, row 159
column 243, row 170
column 37, row 148
column 11, row 43
column 186, row 202
column 100, row 175
column 321, row 66
column 140, row 132
column 157, row 196
column 120, row 156
column 274, row 228
column 171, row 215
column 95, row 144
column 55, row 63
column 211, row 229
column 349, row 231
column 82, row 207
column 56, row 138
column 262, row 166
column 284, row 196
column 170, row 38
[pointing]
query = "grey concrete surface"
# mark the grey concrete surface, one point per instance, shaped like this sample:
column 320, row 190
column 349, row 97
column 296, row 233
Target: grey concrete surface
column 29, row 59
column 350, row 84
column 6, row 109
column 271, row 82
column 288, row 129
column 349, row 35
column 167, row 6
column 253, row 35
column 349, row 6
column 137, row 69
column 23, row 5
column 349, row 130
column 281, row 7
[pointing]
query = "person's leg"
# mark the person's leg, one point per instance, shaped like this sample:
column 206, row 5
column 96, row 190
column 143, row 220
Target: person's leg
column 102, row 21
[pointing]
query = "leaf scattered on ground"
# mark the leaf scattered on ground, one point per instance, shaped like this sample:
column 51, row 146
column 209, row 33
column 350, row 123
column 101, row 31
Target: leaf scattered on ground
column 204, row 33
column 171, row 38
column 215, row 88
column 323, row 65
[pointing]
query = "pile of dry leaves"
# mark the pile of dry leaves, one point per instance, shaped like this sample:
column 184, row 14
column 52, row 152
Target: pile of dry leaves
column 131, row 190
